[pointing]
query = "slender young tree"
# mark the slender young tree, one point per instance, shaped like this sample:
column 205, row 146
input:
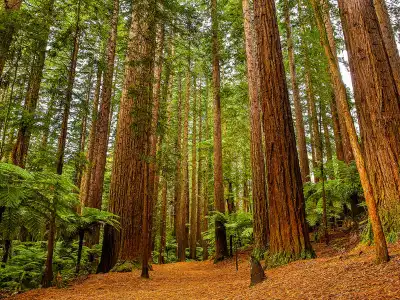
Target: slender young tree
column 221, row 246
column 21, row 146
column 300, row 130
column 288, row 230
column 10, row 7
column 193, row 206
column 62, row 138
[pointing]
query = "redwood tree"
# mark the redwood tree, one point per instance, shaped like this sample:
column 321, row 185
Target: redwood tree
column 257, row 153
column 129, row 189
column 288, row 230
column 377, row 100
column 221, row 246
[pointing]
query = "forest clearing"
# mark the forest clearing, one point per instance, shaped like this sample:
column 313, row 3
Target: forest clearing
column 145, row 143
column 336, row 274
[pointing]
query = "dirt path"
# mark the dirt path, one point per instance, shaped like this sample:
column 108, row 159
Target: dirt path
column 344, row 276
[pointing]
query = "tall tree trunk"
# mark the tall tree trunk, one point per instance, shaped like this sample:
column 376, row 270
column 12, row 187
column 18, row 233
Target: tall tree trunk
column 101, row 136
column 324, row 25
column 380, row 242
column 300, row 130
column 21, row 147
column 178, row 149
column 200, row 198
column 163, row 223
column 336, row 129
column 288, row 230
column 48, row 271
column 7, row 32
column 193, row 207
column 327, row 137
column 79, row 166
column 206, row 177
column 377, row 100
column 182, row 211
column 129, row 190
column 154, row 168
column 62, row 139
column 221, row 246
column 85, row 184
column 388, row 39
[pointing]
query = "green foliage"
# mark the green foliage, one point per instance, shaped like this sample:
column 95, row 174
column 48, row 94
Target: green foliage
column 338, row 193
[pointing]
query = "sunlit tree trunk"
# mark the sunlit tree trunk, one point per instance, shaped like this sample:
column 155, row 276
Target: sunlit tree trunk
column 388, row 39
column 380, row 242
column 130, row 196
column 288, row 230
column 377, row 100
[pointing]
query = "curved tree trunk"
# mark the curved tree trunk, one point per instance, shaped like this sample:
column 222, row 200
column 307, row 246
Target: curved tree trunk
column 377, row 100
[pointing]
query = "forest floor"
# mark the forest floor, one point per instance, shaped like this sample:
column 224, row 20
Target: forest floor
column 341, row 271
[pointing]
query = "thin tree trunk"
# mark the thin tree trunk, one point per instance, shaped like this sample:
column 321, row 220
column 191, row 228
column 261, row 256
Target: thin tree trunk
column 86, row 178
column 21, row 147
column 221, row 246
column 178, row 149
column 325, row 25
column 154, row 167
column 200, row 173
column 62, row 139
column 102, row 123
column 163, row 224
column 288, row 229
column 193, row 207
column 48, row 271
column 300, row 130
column 336, row 130
column 7, row 31
column 182, row 233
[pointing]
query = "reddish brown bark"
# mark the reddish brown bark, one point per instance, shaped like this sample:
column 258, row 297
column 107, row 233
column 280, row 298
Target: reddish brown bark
column 86, row 177
column 377, row 100
column 300, row 130
column 163, row 223
column 221, row 246
column 388, row 39
column 288, row 230
column 193, row 205
column 380, row 242
column 130, row 196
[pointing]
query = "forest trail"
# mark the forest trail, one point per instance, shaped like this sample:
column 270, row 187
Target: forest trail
column 336, row 274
